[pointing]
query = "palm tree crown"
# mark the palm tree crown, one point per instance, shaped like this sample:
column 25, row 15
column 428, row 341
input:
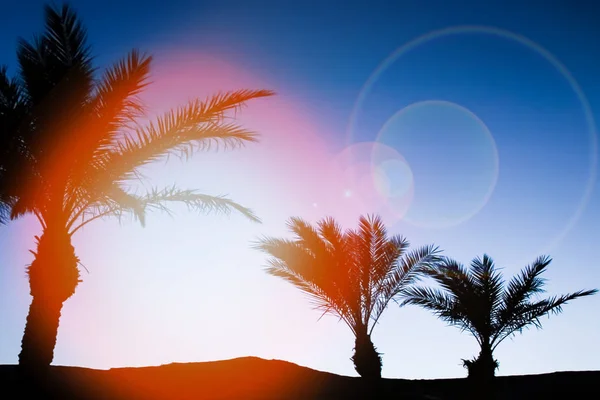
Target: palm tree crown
column 72, row 142
column 351, row 274
column 477, row 300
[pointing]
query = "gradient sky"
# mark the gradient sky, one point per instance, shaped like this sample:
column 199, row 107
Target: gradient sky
column 483, row 136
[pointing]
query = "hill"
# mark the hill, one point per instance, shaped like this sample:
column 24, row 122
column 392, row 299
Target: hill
column 256, row 378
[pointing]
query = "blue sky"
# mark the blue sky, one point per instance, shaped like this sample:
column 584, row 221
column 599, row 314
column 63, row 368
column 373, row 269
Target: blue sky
column 495, row 133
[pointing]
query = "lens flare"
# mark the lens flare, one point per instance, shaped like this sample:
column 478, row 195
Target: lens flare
column 373, row 178
column 523, row 41
column 457, row 176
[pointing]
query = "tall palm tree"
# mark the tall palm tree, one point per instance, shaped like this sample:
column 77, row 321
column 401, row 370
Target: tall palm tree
column 352, row 274
column 477, row 300
column 71, row 145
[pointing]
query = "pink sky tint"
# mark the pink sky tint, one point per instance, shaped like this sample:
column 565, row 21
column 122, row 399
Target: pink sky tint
column 292, row 162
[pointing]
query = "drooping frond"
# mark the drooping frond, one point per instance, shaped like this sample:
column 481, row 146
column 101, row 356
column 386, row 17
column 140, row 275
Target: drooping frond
column 29, row 197
column 6, row 205
column 21, row 206
column 440, row 302
column 159, row 199
column 113, row 202
column 120, row 202
column 328, row 270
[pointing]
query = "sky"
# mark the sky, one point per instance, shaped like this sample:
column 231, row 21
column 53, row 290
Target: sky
column 478, row 118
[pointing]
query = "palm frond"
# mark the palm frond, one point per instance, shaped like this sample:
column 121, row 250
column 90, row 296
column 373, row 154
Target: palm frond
column 13, row 111
column 402, row 273
column 454, row 277
column 56, row 74
column 32, row 74
column 200, row 125
column 117, row 202
column 65, row 36
column 442, row 303
column 28, row 196
column 471, row 300
column 114, row 107
column 20, row 207
column 489, row 284
column 518, row 292
column 6, row 206
column 310, row 238
column 331, row 232
column 160, row 199
column 530, row 313
column 112, row 202
column 320, row 299
column 59, row 55
column 11, row 95
column 294, row 262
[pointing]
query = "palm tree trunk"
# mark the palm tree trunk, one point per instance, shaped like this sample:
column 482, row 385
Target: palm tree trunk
column 367, row 361
column 486, row 363
column 53, row 277
column 41, row 330
column 482, row 371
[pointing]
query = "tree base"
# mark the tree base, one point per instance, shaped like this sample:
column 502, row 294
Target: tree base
column 366, row 359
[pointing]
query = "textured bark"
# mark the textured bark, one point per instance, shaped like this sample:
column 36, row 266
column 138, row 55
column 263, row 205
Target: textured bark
column 367, row 360
column 53, row 277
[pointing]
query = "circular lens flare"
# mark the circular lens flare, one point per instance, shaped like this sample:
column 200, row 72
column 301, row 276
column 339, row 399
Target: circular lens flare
column 535, row 47
column 453, row 157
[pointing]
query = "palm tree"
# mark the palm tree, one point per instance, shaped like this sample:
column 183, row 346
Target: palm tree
column 351, row 274
column 477, row 300
column 72, row 144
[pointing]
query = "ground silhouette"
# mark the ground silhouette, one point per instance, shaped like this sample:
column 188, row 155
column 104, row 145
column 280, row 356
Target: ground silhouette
column 256, row 378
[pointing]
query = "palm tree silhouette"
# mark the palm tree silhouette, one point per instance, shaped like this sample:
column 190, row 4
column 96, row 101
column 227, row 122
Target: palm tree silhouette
column 352, row 274
column 70, row 143
column 477, row 300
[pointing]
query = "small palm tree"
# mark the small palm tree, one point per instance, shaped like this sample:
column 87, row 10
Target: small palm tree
column 70, row 145
column 477, row 300
column 351, row 274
